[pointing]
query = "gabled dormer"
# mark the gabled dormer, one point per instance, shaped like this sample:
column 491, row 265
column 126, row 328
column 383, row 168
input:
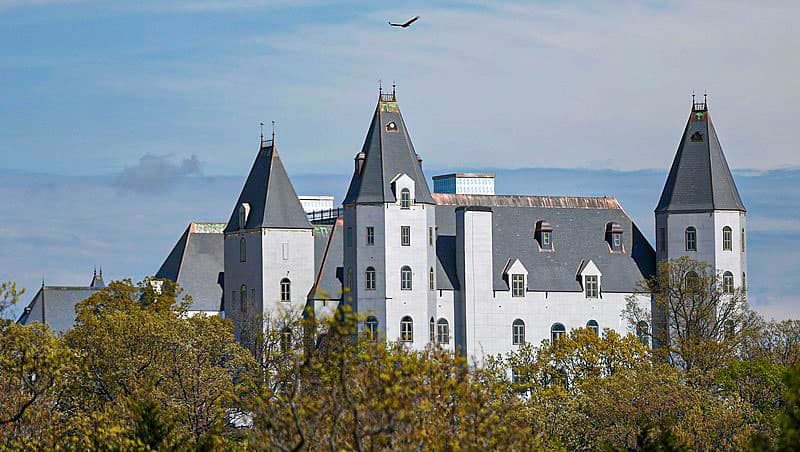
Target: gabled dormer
column 590, row 278
column 516, row 275
column 403, row 188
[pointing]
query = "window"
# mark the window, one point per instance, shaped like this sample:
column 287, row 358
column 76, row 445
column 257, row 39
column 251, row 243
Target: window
column 593, row 326
column 405, row 198
column 592, row 286
column 369, row 278
column 286, row 340
column 405, row 278
column 727, row 282
column 727, row 239
column 743, row 240
column 433, row 329
column 744, row 280
column 242, row 250
column 643, row 332
column 405, row 235
column 406, row 329
column 729, row 329
column 244, row 212
column 692, row 281
column 544, row 235
column 285, row 251
column 691, row 239
column 517, row 285
column 557, row 331
column 516, row 378
column 370, row 236
column 348, row 239
column 371, row 328
column 349, row 279
column 518, row 332
column 286, row 290
column 614, row 236
column 431, row 280
column 442, row 331
column 662, row 239
column 243, row 298
column 391, row 127
column 430, row 236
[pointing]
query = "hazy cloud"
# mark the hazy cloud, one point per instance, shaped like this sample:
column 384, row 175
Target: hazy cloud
column 156, row 174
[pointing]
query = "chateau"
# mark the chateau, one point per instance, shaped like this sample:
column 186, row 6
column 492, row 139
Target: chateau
column 460, row 266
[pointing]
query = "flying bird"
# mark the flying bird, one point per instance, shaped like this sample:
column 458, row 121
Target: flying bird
column 405, row 25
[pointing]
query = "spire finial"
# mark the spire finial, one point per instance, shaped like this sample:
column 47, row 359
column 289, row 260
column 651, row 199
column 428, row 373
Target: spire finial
column 101, row 271
column 380, row 87
column 261, row 125
column 273, row 133
column 95, row 271
column 393, row 94
column 693, row 98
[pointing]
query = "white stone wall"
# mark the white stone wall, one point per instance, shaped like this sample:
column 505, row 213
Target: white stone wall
column 734, row 260
column 237, row 273
column 288, row 253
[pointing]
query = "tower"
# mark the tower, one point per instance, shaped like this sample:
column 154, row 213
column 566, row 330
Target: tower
column 269, row 249
column 389, row 225
column 700, row 213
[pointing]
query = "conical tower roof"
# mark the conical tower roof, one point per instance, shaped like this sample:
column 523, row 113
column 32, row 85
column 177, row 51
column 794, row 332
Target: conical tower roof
column 97, row 280
column 700, row 179
column 387, row 152
column 270, row 195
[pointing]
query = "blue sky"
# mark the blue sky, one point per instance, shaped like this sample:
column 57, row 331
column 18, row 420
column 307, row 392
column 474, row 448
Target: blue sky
column 146, row 112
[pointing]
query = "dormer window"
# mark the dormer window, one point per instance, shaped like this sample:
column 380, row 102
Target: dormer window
column 244, row 213
column 517, row 285
column 405, row 198
column 592, row 286
column 391, row 127
column 544, row 236
column 614, row 237
column 697, row 137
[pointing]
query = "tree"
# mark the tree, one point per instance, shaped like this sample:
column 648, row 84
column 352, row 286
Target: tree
column 9, row 296
column 698, row 321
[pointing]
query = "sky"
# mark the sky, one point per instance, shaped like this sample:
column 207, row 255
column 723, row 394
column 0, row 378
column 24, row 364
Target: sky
column 121, row 121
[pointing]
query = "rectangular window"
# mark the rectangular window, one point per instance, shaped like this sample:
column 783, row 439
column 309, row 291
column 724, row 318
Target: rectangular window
column 369, row 279
column 546, row 240
column 727, row 239
column 743, row 240
column 405, row 235
column 517, row 285
column 617, row 241
column 430, row 236
column 285, row 251
column 348, row 239
column 370, row 236
column 592, row 289
column 662, row 239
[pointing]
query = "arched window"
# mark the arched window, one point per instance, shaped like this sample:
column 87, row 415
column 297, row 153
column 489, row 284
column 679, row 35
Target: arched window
column 557, row 331
column 742, row 247
column 433, row 329
column 406, row 329
column 727, row 238
column 405, row 198
column 442, row 331
column 286, row 290
column 371, row 328
column 643, row 332
column 369, row 278
column 243, row 298
column 727, row 282
column 692, row 281
column 518, row 332
column 691, row 239
column 405, row 278
column 242, row 250
column 286, row 340
column 593, row 326
column 431, row 280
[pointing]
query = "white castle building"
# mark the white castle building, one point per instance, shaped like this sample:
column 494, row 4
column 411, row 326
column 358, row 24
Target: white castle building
column 475, row 272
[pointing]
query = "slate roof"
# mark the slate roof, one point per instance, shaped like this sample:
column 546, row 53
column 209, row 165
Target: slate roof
column 579, row 226
column 196, row 263
column 387, row 152
column 700, row 179
column 270, row 194
column 97, row 280
column 328, row 261
column 58, row 304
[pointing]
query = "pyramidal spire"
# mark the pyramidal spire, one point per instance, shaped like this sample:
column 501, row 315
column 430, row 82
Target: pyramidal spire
column 268, row 199
column 700, row 179
column 387, row 153
column 97, row 280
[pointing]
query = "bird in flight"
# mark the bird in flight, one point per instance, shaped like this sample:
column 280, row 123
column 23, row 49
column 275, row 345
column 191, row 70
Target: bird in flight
column 406, row 24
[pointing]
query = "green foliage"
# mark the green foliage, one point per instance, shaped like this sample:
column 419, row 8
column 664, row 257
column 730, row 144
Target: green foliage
column 137, row 373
